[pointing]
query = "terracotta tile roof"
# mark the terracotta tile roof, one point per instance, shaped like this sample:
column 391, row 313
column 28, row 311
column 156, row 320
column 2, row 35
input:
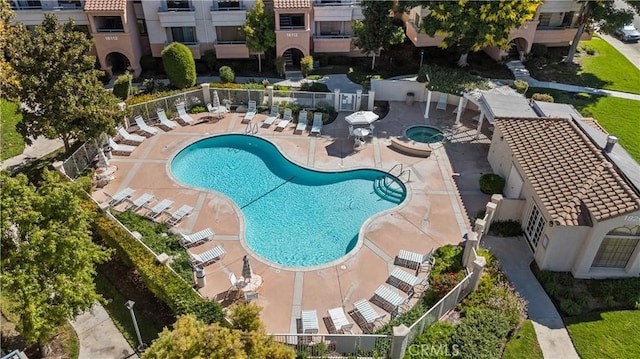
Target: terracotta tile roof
column 568, row 172
column 105, row 5
column 594, row 123
column 291, row 4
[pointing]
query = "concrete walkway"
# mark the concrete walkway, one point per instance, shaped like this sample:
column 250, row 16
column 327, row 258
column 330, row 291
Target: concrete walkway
column 39, row 148
column 515, row 257
column 99, row 337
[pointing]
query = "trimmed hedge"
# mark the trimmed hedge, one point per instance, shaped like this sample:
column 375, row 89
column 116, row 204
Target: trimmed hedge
column 227, row 75
column 542, row 97
column 160, row 280
column 179, row 65
column 122, row 87
column 491, row 183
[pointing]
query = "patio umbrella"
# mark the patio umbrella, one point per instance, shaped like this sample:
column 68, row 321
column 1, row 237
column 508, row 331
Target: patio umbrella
column 361, row 118
column 216, row 100
column 247, row 272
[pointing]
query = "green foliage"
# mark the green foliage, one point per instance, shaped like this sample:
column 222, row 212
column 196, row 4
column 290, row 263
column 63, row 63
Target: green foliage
column 497, row 294
column 523, row 344
column 508, row 228
column 377, row 31
column 452, row 81
column 148, row 63
column 259, row 29
column 179, row 65
column 197, row 109
column 610, row 334
column 306, row 65
column 539, row 50
column 280, row 63
column 480, row 334
column 48, row 256
column 122, row 86
column 58, row 78
column 423, row 75
column 443, row 283
column 226, row 74
column 314, row 87
column 435, row 340
column 542, row 97
column 12, row 142
column 448, row 260
column 491, row 183
column 521, row 86
column 570, row 307
column 210, row 60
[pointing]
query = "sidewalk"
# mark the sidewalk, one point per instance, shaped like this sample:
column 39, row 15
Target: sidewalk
column 39, row 148
column 99, row 337
column 515, row 257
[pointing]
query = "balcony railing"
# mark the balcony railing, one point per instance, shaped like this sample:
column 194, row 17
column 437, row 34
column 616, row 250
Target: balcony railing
column 109, row 30
column 227, row 6
column 332, row 36
column 232, row 42
column 188, row 43
column 291, row 27
column 556, row 27
column 320, row 3
column 170, row 9
column 25, row 7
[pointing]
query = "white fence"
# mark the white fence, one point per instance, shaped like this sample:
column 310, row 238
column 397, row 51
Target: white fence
column 337, row 345
column 83, row 157
column 148, row 109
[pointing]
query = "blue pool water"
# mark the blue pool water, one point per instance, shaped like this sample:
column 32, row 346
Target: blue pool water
column 294, row 216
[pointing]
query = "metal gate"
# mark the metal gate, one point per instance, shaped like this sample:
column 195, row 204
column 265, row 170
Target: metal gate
column 347, row 102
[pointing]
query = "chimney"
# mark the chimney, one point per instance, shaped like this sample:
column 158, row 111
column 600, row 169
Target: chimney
column 611, row 141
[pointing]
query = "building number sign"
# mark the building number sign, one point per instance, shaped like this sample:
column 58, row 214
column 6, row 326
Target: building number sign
column 111, row 38
column 292, row 34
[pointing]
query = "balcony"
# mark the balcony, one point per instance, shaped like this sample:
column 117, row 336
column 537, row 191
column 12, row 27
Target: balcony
column 228, row 6
column 419, row 39
column 332, row 43
column 336, row 11
column 177, row 16
column 228, row 13
column 557, row 35
column 231, row 50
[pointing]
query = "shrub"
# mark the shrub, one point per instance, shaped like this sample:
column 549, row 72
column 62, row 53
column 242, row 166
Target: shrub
column 179, row 65
column 436, row 337
column 226, row 74
column 491, row 183
column 590, row 50
column 209, row 58
column 314, row 87
column 442, row 284
column 306, row 65
column 122, row 87
column 280, row 88
column 521, row 86
column 455, row 81
column 570, row 307
column 508, row 228
column 197, row 109
column 542, row 97
column 539, row 50
column 480, row 334
column 280, row 62
column 226, row 85
column 152, row 86
column 148, row 63
column 448, row 259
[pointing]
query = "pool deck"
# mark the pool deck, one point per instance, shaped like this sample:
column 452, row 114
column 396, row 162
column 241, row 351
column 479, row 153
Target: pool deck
column 442, row 195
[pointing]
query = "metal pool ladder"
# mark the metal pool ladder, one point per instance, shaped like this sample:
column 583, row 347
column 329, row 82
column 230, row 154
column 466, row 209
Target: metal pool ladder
column 252, row 128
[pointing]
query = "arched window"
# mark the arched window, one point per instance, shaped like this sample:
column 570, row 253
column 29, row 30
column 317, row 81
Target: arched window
column 617, row 247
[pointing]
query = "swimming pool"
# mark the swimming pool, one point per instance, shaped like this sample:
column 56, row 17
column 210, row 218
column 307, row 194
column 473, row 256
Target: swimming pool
column 294, row 216
column 424, row 134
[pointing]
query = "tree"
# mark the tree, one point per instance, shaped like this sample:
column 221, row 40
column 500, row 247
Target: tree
column 48, row 256
column 259, row 30
column 8, row 77
column 603, row 14
column 472, row 25
column 377, row 31
column 179, row 65
column 59, row 90
column 246, row 338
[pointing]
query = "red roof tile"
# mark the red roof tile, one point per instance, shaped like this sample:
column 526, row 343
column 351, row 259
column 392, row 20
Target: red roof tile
column 291, row 4
column 105, row 5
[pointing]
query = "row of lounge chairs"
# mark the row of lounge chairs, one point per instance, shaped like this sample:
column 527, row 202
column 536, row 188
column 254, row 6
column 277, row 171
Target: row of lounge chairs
column 154, row 212
column 287, row 117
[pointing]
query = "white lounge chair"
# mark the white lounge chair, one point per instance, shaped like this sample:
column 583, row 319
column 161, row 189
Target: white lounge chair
column 339, row 320
column 387, row 299
column 403, row 280
column 251, row 111
column 122, row 150
column 442, row 102
column 140, row 201
column 178, row 215
column 316, row 127
column 183, row 115
column 207, row 257
column 158, row 209
column 273, row 116
column 130, row 138
column 303, row 120
column 165, row 122
column 414, row 260
column 120, row 196
column 286, row 118
column 234, row 285
column 368, row 314
column 309, row 321
column 216, row 111
column 194, row 239
column 142, row 126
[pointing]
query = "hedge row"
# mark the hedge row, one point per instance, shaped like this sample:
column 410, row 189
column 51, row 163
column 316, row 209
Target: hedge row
column 159, row 279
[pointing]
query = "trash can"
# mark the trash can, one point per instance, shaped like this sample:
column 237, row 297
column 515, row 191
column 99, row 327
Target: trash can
column 107, row 151
column 200, row 277
column 410, row 97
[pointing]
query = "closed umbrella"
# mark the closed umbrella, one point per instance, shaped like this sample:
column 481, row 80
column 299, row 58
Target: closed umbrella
column 361, row 118
column 247, row 272
column 216, row 99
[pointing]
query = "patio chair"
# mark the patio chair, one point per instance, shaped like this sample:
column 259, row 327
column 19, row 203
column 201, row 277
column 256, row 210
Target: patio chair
column 251, row 112
column 158, row 209
column 286, row 119
column 146, row 129
column 140, row 201
column 403, row 280
column 358, row 143
column 130, row 138
column 413, row 260
column 351, row 134
column 339, row 320
column 235, row 286
column 303, row 120
column 217, row 112
column 183, row 115
column 388, row 300
column 364, row 309
column 120, row 196
column 121, row 150
column 165, row 122
column 178, row 215
column 207, row 257
column 250, row 296
column 194, row 239
column 273, row 116
column 316, row 127
column 309, row 320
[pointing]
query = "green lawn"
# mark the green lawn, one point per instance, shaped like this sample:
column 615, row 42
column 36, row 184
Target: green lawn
column 606, row 335
column 523, row 344
column 617, row 115
column 12, row 143
column 609, row 66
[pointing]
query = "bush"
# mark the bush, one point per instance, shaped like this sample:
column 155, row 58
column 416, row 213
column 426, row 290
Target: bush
column 570, row 307
column 280, row 62
column 542, row 97
column 442, row 284
column 152, row 86
column 508, row 228
column 306, row 65
column 226, row 74
column 209, row 58
column 436, row 337
column 197, row 109
column 314, row 87
column 491, row 183
column 148, row 63
column 122, row 87
column 539, row 50
column 179, row 65
column 521, row 86
column 480, row 334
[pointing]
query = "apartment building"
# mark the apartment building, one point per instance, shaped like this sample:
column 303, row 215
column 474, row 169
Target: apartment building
column 125, row 30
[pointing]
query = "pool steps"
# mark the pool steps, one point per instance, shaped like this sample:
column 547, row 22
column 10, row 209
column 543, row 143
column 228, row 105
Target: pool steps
column 383, row 187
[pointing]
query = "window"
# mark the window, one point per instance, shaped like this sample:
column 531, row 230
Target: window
column 617, row 247
column 109, row 24
column 142, row 27
column 545, row 19
column 567, row 20
column 70, row 4
column 229, row 34
column 292, row 21
column 229, row 5
column 534, row 228
column 178, row 5
column 185, row 35
column 328, row 28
